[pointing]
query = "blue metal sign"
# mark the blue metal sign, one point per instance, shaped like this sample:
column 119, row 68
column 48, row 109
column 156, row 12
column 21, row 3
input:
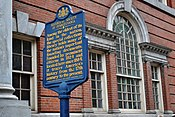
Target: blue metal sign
column 65, row 56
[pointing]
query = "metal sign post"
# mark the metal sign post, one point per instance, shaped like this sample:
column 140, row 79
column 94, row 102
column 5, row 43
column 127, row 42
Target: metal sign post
column 65, row 56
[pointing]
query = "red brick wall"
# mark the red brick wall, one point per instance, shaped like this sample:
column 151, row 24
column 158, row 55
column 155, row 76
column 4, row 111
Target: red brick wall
column 44, row 11
column 165, row 88
column 148, row 86
column 161, row 29
column 171, row 3
column 87, row 100
column 112, row 81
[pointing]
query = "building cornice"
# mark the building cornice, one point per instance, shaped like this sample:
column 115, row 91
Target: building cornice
column 152, row 47
column 101, row 32
column 101, row 38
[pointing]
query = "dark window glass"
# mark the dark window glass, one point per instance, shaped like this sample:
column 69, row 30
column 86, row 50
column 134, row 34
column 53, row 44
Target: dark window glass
column 98, row 84
column 99, row 66
column 99, row 94
column 92, row 75
column 27, row 48
column 94, row 103
column 25, row 81
column 16, row 62
column 93, row 56
column 100, row 103
column 93, row 94
column 99, row 57
column 93, row 84
column 16, row 46
column 94, row 66
column 25, row 95
column 27, row 66
column 16, row 80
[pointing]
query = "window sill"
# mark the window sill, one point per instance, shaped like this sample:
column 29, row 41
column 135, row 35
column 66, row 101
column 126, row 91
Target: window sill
column 161, row 6
column 131, row 111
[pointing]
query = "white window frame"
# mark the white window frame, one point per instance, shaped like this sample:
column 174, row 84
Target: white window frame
column 142, row 36
column 103, row 81
column 33, row 74
column 160, row 98
column 142, row 89
column 163, row 1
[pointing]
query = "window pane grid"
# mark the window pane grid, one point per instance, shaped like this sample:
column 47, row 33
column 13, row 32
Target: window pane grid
column 126, row 48
column 95, row 61
column 18, row 79
column 96, row 90
column 22, row 62
column 129, row 93
column 22, row 55
column 155, row 86
column 154, row 73
column 155, row 94
column 128, row 65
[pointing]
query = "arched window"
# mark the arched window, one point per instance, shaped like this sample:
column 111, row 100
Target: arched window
column 127, row 48
column 128, row 65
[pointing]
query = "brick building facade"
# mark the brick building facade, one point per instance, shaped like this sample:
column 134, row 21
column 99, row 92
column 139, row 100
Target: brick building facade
column 131, row 57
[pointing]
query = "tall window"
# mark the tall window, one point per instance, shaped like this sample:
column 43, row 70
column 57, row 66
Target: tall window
column 155, row 86
column 23, row 74
column 128, row 65
column 97, row 80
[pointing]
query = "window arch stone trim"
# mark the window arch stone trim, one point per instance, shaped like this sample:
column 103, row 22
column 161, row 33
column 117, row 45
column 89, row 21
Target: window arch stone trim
column 121, row 6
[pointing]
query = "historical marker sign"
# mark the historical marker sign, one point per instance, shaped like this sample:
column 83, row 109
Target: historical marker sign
column 65, row 57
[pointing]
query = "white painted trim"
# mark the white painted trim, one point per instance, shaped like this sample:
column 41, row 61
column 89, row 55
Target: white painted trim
column 100, row 43
column 33, row 74
column 161, row 105
column 104, row 82
column 143, row 98
column 142, row 36
column 119, row 7
column 164, row 2
column 160, row 93
column 161, row 6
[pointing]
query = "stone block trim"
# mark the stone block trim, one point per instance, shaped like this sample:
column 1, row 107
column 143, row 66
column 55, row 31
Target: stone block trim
column 21, row 24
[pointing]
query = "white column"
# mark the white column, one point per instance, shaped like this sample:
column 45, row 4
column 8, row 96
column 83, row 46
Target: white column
column 9, row 105
column 6, row 88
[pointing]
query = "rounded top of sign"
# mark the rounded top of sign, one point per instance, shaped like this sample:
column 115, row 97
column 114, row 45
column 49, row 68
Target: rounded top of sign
column 63, row 12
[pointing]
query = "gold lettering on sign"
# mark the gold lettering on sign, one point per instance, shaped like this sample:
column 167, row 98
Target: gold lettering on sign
column 64, row 58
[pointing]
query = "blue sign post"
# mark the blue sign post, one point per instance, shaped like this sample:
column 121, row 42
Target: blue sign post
column 65, row 56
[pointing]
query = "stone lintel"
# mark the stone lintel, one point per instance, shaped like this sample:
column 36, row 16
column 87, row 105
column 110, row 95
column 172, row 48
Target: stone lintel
column 101, row 38
column 101, row 32
column 152, row 47
column 22, row 25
